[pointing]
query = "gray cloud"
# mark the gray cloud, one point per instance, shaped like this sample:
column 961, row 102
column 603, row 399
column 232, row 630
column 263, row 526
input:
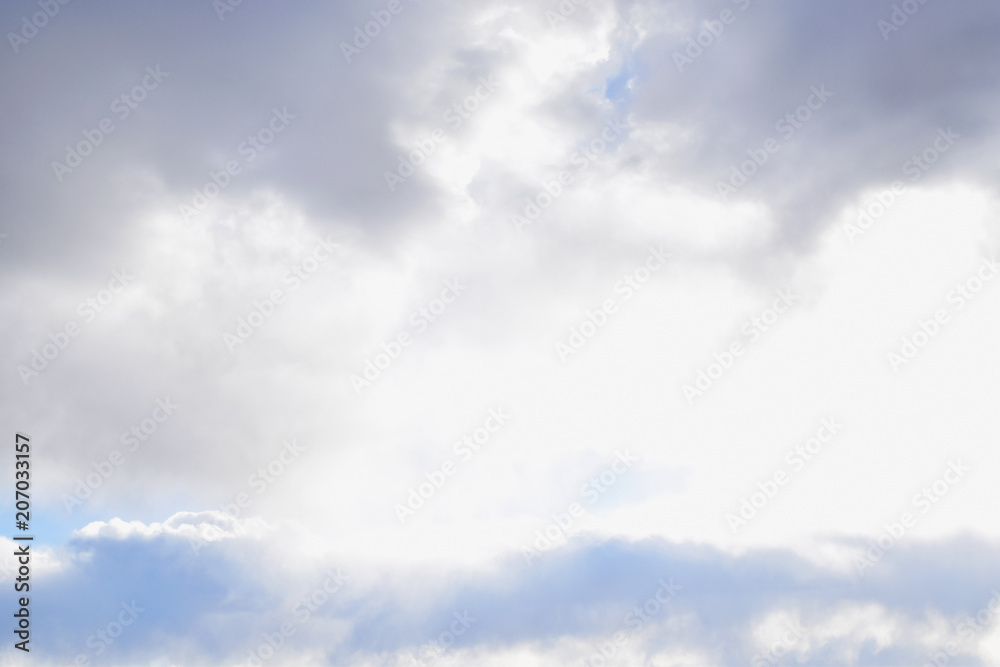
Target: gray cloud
column 889, row 99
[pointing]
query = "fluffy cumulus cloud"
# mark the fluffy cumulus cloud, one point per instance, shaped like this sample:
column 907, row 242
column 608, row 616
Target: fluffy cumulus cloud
column 591, row 332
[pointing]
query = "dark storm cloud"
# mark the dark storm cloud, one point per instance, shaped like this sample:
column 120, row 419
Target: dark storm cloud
column 222, row 81
column 165, row 95
column 890, row 96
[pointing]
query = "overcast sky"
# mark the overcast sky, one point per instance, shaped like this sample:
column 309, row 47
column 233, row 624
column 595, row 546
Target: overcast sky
column 593, row 332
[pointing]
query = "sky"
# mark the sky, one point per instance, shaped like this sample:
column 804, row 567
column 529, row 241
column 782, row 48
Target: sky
column 585, row 333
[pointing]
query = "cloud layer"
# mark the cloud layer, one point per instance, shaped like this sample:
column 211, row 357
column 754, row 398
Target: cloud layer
column 354, row 322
